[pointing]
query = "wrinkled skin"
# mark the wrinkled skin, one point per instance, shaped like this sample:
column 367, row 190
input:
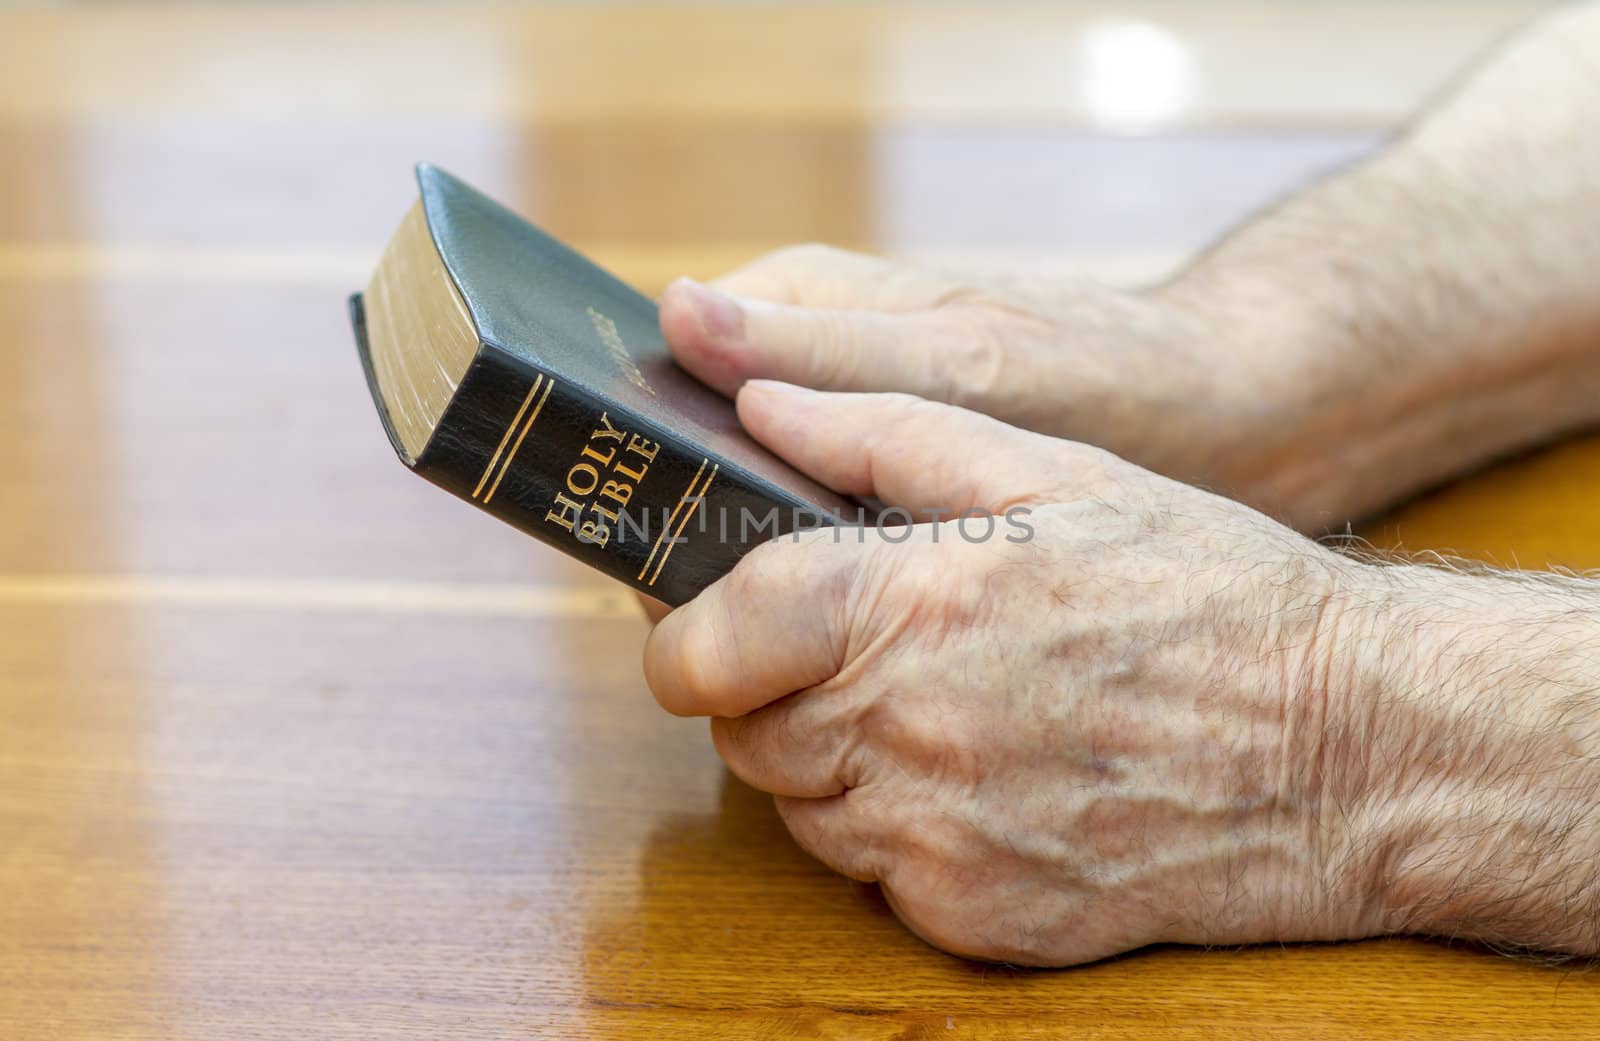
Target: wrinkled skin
column 1048, row 750
column 1178, row 382
column 1165, row 717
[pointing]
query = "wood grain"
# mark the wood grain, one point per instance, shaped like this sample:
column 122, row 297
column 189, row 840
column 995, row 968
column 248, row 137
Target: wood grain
column 293, row 746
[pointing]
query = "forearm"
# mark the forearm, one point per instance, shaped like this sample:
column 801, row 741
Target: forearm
column 1433, row 307
column 1474, row 773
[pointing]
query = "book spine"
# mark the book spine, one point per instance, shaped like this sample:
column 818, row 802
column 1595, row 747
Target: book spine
column 599, row 482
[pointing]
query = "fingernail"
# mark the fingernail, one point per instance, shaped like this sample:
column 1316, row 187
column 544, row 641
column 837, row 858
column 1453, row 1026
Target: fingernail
column 719, row 315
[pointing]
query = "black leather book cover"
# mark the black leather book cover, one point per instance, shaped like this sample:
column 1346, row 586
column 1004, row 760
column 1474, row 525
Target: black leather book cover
column 574, row 424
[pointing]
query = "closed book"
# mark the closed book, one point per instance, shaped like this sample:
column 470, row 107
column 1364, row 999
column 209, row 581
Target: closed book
column 516, row 374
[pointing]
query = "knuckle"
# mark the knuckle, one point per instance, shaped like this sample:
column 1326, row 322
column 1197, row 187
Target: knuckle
column 854, row 755
column 835, row 348
column 814, row 828
column 933, row 919
column 908, row 416
column 979, row 352
column 945, row 913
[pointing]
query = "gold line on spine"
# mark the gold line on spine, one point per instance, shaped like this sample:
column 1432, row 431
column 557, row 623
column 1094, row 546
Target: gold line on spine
column 667, row 525
column 548, row 387
column 504, row 440
column 694, row 505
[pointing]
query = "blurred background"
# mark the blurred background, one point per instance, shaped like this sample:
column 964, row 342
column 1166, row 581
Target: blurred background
column 1109, row 135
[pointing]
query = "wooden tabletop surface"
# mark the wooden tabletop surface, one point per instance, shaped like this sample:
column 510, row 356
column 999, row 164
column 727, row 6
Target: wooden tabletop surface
column 293, row 746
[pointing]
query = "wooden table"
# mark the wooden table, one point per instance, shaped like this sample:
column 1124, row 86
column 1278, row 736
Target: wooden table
column 293, row 746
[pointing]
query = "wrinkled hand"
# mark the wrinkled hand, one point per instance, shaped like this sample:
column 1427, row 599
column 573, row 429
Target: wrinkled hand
column 1176, row 387
column 1048, row 747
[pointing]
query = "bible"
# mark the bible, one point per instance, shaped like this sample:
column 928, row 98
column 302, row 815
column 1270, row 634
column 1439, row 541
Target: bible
column 514, row 373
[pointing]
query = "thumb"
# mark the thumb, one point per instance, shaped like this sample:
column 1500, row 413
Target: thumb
column 922, row 456
column 725, row 340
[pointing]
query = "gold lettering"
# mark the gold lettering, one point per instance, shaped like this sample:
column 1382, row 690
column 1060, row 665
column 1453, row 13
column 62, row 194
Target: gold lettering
column 600, row 484
column 568, row 513
column 639, row 446
column 607, row 331
column 603, row 460
column 588, row 471
column 594, row 533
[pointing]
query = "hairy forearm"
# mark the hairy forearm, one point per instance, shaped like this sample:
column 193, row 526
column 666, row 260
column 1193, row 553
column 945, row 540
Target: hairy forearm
column 1471, row 770
column 1434, row 306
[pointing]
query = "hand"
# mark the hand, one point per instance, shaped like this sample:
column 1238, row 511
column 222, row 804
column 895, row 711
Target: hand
column 1170, row 383
column 1049, row 745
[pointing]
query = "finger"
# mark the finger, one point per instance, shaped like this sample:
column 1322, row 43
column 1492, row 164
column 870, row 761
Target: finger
column 837, row 832
column 782, row 620
column 799, row 746
column 654, row 609
column 726, row 340
column 768, row 628
column 823, row 276
column 937, row 929
column 922, row 456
